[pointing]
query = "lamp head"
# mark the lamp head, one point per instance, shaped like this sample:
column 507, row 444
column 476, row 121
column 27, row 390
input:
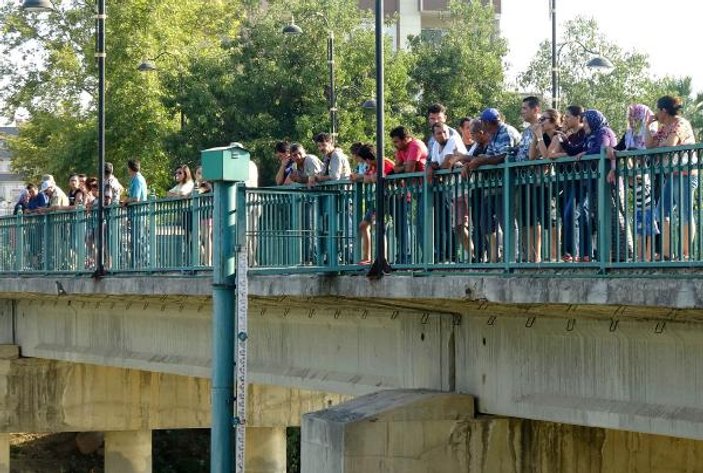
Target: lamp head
column 292, row 28
column 369, row 104
column 38, row 5
column 146, row 66
column 600, row 63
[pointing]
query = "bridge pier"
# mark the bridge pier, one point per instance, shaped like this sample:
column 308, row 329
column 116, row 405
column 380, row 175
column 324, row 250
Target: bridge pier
column 4, row 453
column 128, row 451
column 266, row 450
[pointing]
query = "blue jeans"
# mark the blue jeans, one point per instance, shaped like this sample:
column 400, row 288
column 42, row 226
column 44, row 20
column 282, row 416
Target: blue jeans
column 678, row 195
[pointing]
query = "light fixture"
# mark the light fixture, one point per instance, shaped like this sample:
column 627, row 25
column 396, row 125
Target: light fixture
column 292, row 28
column 369, row 104
column 600, row 63
column 38, row 5
column 146, row 66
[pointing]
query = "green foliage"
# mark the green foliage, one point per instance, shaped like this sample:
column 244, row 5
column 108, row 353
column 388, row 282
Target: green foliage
column 273, row 86
column 57, row 80
column 463, row 70
column 611, row 92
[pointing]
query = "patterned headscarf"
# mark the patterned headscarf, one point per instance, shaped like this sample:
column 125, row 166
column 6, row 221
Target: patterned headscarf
column 600, row 135
column 634, row 136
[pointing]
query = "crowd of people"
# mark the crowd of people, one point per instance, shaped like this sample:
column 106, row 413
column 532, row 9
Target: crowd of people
column 85, row 191
column 471, row 219
column 556, row 203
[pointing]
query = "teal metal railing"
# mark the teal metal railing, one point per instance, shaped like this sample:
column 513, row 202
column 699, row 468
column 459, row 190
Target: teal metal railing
column 519, row 215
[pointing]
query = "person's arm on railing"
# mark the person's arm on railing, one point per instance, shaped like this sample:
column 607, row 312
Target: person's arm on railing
column 281, row 174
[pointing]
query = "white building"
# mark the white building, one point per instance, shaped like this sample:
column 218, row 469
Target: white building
column 418, row 17
column 11, row 184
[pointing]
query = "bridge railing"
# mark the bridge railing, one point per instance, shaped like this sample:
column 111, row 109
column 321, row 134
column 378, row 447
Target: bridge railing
column 537, row 214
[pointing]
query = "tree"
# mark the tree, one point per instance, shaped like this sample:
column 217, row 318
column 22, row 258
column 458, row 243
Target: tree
column 463, row 68
column 629, row 82
column 56, row 80
column 273, row 86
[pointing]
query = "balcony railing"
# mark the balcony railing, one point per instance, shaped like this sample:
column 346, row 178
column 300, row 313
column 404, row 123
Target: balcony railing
column 565, row 213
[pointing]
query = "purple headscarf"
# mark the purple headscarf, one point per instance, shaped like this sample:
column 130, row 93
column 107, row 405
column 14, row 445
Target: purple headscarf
column 601, row 135
column 634, row 136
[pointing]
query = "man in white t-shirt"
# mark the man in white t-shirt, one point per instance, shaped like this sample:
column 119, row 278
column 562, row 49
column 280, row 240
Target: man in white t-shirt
column 444, row 146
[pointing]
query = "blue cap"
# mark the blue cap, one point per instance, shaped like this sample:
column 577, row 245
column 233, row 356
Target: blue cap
column 490, row 115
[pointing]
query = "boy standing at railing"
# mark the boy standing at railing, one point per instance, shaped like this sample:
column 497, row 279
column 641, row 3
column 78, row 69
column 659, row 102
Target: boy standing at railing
column 137, row 192
column 645, row 221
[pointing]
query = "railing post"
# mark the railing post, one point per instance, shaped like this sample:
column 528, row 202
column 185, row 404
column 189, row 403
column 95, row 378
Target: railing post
column 151, row 209
column 79, row 230
column 47, row 241
column 427, row 224
column 19, row 239
column 508, row 203
column 331, row 218
column 195, row 232
column 357, row 214
column 604, row 220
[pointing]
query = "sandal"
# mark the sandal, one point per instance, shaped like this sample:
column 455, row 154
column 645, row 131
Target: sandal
column 567, row 258
column 364, row 262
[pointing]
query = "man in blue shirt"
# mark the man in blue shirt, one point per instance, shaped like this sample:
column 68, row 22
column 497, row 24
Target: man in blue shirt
column 137, row 214
column 137, row 191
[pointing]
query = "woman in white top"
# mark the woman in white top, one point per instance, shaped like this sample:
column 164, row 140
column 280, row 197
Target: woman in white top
column 184, row 182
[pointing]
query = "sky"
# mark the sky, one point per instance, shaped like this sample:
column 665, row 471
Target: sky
column 668, row 32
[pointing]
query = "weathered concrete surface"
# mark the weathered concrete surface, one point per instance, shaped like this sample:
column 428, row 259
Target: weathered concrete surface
column 128, row 452
column 343, row 440
column 4, row 453
column 408, row 431
column 627, row 374
column 53, row 396
column 317, row 347
column 6, row 321
column 266, row 449
column 679, row 289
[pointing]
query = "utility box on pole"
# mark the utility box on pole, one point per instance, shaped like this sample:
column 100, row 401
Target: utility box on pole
column 226, row 163
column 225, row 167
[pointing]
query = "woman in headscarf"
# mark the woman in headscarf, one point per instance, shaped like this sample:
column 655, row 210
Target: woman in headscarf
column 599, row 135
column 639, row 126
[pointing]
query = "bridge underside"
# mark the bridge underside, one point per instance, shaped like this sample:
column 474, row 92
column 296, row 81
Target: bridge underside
column 563, row 349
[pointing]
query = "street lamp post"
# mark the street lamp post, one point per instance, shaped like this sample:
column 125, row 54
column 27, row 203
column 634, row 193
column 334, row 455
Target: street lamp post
column 380, row 265
column 149, row 65
column 47, row 5
column 294, row 29
column 598, row 62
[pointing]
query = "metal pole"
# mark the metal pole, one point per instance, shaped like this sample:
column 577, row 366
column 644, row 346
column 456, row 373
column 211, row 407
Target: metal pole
column 221, row 436
column 380, row 265
column 100, row 55
column 333, row 98
column 555, row 76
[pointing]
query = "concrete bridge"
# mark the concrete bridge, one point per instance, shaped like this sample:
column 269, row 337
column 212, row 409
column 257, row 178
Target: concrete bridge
column 558, row 355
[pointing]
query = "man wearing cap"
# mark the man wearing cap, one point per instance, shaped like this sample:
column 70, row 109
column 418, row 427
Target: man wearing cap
column 57, row 198
column 502, row 140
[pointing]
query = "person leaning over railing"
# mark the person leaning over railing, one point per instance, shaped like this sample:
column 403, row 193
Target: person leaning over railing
column 306, row 166
column 634, row 138
column 410, row 157
column 502, row 139
column 675, row 130
column 571, row 140
column 203, row 187
column 599, row 135
column 286, row 163
column 366, row 155
column 545, row 143
column 335, row 164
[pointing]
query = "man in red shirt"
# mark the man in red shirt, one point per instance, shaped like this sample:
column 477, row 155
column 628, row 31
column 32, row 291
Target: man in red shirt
column 411, row 153
column 410, row 157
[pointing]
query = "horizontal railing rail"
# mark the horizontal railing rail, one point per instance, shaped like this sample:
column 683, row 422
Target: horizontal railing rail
column 643, row 209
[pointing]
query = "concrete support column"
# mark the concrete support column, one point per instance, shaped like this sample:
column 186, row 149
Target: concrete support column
column 265, row 450
column 4, row 453
column 128, row 451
